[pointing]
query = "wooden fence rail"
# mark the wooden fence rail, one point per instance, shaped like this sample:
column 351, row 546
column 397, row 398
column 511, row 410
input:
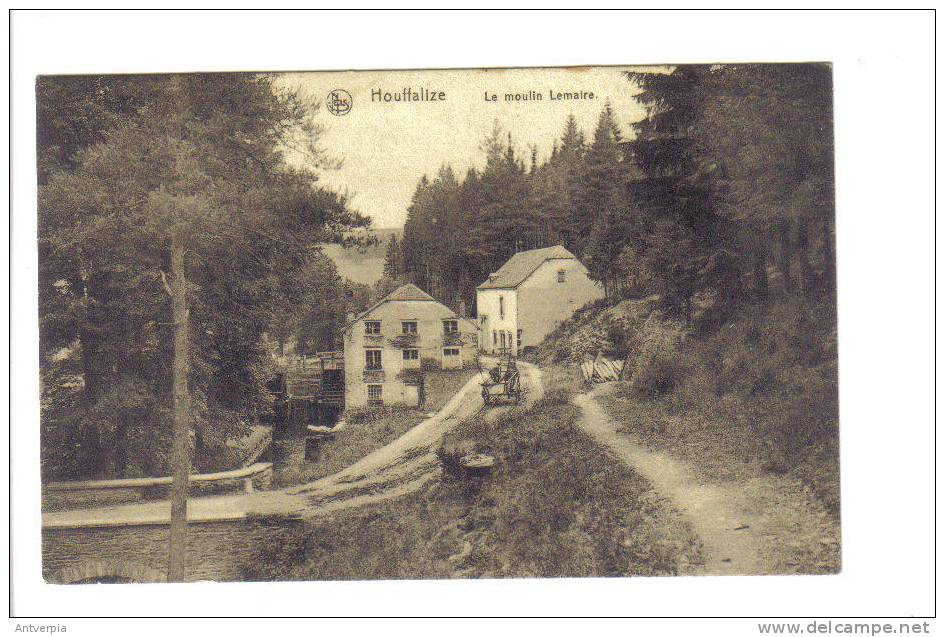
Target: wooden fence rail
column 137, row 483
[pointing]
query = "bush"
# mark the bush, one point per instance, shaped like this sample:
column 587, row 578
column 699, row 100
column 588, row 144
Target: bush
column 366, row 415
column 621, row 340
column 657, row 368
column 451, row 453
column 657, row 377
column 555, row 396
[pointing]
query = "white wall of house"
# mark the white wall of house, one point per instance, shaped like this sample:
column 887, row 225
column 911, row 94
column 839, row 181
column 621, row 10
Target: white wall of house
column 430, row 343
column 500, row 310
column 545, row 301
column 551, row 294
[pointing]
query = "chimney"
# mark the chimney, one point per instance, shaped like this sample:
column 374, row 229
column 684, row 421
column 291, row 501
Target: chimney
column 462, row 308
column 349, row 317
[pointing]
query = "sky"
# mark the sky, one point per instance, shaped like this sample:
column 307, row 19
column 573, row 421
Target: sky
column 386, row 147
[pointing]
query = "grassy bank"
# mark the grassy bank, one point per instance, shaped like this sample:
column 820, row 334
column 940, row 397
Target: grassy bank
column 749, row 406
column 554, row 505
column 757, row 396
column 370, row 429
column 441, row 385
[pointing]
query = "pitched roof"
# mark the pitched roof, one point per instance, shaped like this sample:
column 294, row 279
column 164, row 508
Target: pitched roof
column 406, row 292
column 521, row 266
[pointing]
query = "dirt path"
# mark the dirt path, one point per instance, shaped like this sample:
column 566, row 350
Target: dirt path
column 717, row 512
column 401, row 467
column 411, row 459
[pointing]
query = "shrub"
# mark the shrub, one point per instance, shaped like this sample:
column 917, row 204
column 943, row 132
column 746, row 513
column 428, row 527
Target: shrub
column 365, row 415
column 555, row 396
column 657, row 376
column 621, row 339
column 658, row 369
column 450, row 453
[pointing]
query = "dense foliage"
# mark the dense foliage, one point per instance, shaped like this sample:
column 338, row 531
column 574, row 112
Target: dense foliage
column 724, row 187
column 125, row 165
column 711, row 228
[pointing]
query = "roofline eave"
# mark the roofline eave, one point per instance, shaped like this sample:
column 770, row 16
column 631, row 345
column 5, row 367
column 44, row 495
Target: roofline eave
column 364, row 314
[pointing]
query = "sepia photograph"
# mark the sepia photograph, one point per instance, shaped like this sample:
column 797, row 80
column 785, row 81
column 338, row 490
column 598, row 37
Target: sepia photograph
column 472, row 321
column 560, row 322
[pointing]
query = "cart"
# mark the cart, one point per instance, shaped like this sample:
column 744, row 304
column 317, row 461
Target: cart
column 503, row 383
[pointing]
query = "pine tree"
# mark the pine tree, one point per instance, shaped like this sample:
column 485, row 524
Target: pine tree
column 679, row 229
column 566, row 168
column 600, row 204
column 189, row 195
column 393, row 266
column 764, row 135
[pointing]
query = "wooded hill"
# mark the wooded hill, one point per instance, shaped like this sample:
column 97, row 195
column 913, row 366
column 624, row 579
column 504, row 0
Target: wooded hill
column 364, row 264
column 724, row 189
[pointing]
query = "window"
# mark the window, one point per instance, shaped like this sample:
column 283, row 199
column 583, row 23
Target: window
column 501, row 307
column 411, row 354
column 375, row 394
column 409, row 327
column 451, row 351
column 560, row 276
column 518, row 337
column 372, row 327
column 450, row 327
column 495, row 338
column 372, row 359
column 502, row 339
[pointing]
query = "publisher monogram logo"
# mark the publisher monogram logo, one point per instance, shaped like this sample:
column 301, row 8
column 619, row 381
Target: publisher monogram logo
column 339, row 102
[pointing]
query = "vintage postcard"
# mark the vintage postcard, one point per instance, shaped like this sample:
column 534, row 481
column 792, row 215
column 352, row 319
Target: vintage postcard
column 471, row 323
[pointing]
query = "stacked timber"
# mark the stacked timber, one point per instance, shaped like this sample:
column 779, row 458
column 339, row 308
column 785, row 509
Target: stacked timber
column 600, row 369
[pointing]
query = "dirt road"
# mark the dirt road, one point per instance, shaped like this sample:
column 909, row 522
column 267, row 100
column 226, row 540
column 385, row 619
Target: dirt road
column 410, row 461
column 399, row 468
column 716, row 512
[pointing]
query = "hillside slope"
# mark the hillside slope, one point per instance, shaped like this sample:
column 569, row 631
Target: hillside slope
column 751, row 404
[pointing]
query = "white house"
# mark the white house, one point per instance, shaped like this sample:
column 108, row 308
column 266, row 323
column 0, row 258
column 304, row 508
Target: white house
column 529, row 296
column 390, row 346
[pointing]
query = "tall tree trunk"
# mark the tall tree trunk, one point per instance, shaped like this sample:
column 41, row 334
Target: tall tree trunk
column 90, row 370
column 803, row 253
column 760, row 275
column 830, row 262
column 97, row 357
column 97, row 454
column 121, row 447
column 180, row 450
column 785, row 254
